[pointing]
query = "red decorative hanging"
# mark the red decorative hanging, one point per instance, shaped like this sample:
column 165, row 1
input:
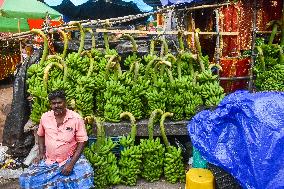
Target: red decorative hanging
column 234, row 67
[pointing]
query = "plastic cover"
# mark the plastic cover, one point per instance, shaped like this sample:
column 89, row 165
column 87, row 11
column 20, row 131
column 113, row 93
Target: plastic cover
column 20, row 143
column 245, row 136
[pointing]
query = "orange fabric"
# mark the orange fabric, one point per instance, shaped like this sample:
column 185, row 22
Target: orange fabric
column 61, row 142
column 38, row 23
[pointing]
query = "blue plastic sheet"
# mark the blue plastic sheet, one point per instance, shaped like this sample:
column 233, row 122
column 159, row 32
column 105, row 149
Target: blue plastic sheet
column 245, row 136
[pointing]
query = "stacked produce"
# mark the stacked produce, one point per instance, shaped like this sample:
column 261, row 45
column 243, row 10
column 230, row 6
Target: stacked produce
column 152, row 152
column 183, row 97
column 269, row 65
column 130, row 158
column 134, row 83
column 156, row 93
column 173, row 161
column 96, row 85
column 81, row 78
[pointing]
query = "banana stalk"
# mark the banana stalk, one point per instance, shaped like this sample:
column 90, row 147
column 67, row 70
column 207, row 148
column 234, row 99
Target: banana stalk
column 46, row 72
column 106, row 41
column 133, row 124
column 93, row 37
column 62, row 62
column 45, row 44
column 162, row 127
column 65, row 40
column 261, row 57
column 82, row 36
column 133, row 42
column 198, row 47
column 275, row 24
column 180, row 40
column 154, row 114
column 92, row 62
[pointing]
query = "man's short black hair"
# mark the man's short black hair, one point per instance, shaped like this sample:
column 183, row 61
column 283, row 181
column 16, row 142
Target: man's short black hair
column 59, row 93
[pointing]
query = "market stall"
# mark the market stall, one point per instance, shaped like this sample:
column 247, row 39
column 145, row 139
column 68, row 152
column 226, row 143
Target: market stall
column 175, row 78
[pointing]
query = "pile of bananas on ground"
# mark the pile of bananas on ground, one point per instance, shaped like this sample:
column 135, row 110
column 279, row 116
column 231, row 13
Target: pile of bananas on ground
column 152, row 152
column 131, row 155
column 173, row 161
column 269, row 65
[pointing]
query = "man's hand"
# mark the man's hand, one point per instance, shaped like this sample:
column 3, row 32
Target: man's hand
column 39, row 158
column 67, row 169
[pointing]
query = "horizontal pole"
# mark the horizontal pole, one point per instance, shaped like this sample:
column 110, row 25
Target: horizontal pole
column 162, row 32
column 234, row 78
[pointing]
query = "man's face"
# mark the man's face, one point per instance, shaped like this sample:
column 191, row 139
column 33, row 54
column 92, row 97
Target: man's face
column 58, row 105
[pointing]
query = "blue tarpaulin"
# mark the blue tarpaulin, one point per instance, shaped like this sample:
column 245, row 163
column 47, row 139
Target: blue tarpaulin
column 245, row 136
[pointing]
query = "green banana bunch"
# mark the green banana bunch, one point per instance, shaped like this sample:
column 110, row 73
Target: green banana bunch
column 134, row 90
column 100, row 166
column 102, row 159
column 156, row 98
column 173, row 161
column 113, row 98
column 152, row 153
column 113, row 170
column 269, row 66
column 76, row 62
column 130, row 159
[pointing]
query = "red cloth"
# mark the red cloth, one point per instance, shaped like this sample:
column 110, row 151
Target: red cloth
column 61, row 142
column 229, row 23
column 234, row 67
column 38, row 23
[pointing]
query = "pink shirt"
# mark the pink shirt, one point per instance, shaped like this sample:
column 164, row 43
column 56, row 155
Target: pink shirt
column 61, row 142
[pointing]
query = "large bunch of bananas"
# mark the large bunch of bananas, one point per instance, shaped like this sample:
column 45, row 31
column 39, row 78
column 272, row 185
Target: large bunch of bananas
column 156, row 94
column 99, row 163
column 210, row 90
column 135, row 87
column 112, row 167
column 130, row 158
column 102, row 159
column 173, row 161
column 152, row 153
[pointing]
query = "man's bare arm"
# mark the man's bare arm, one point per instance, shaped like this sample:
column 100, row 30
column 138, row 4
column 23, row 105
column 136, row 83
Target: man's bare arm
column 41, row 147
column 68, row 167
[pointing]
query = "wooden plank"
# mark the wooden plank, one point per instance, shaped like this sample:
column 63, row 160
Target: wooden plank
column 123, row 128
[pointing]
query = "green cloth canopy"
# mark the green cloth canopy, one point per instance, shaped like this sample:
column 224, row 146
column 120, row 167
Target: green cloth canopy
column 11, row 25
column 26, row 9
column 14, row 13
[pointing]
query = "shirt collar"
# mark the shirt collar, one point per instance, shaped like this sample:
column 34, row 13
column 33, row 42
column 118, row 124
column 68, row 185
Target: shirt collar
column 68, row 115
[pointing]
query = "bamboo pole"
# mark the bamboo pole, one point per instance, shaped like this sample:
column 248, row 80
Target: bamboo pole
column 253, row 55
column 163, row 32
column 206, row 6
column 217, row 57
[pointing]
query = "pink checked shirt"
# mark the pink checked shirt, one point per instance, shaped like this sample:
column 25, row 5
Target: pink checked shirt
column 61, row 142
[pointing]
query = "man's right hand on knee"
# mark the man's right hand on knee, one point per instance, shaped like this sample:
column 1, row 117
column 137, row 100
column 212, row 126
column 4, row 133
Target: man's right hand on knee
column 39, row 158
